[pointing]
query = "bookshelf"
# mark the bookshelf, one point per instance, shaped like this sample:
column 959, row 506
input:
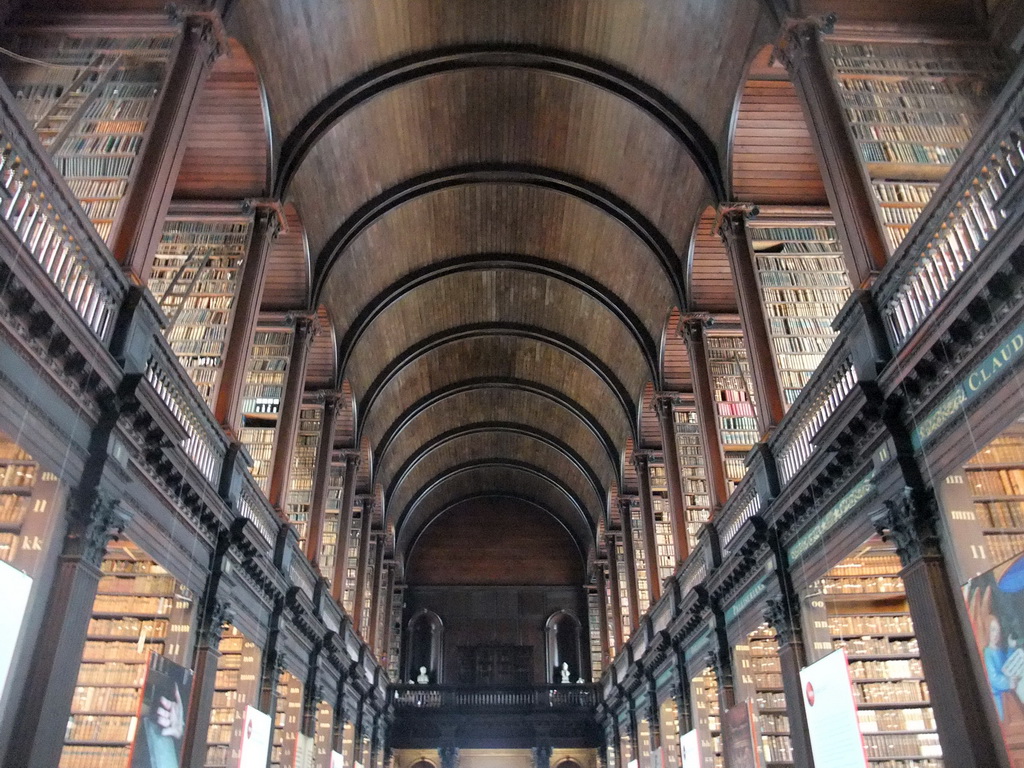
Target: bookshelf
column 323, row 735
column 234, row 688
column 704, row 688
column 803, row 283
column 92, row 110
column 300, row 484
column 732, row 382
column 668, row 717
column 693, row 472
column 332, row 520
column 195, row 278
column 762, row 673
column 911, row 107
column 349, row 592
column 594, row 633
column 639, row 559
column 369, row 568
column 287, row 721
column 139, row 609
column 27, row 495
column 262, row 398
column 866, row 613
column 663, row 538
column 995, row 478
column 620, row 563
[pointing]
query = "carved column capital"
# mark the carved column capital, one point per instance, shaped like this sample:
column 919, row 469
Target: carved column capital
column 732, row 219
column 626, row 504
column 642, row 461
column 911, row 524
column 219, row 611
column 205, row 26
column 664, row 402
column 692, row 324
column 797, row 35
column 94, row 524
column 782, row 617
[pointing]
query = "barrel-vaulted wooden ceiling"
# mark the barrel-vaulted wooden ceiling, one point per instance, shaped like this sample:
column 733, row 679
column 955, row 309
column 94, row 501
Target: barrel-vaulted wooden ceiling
column 498, row 200
column 500, row 208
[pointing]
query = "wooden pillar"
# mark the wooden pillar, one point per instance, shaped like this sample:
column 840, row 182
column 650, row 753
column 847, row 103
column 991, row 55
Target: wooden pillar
column 265, row 227
column 352, row 459
column 384, row 651
column 140, row 222
column 602, row 614
column 322, row 478
column 215, row 612
column 800, row 50
column 720, row 660
column 663, row 406
column 375, row 592
column 362, row 566
column 615, row 589
column 693, row 331
column 653, row 715
column 964, row 711
column 45, row 705
column 681, row 692
column 732, row 228
column 629, row 556
column 288, row 420
column 642, row 462
column 784, row 615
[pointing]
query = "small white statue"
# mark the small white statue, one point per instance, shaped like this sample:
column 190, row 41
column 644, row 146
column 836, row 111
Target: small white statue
column 581, row 681
column 422, row 678
column 566, row 675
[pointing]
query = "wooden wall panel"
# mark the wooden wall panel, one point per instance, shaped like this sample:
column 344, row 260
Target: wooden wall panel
column 711, row 284
column 675, row 358
column 287, row 280
column 320, row 365
column 494, row 541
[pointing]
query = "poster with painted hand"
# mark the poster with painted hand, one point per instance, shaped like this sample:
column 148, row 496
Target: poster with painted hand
column 163, row 710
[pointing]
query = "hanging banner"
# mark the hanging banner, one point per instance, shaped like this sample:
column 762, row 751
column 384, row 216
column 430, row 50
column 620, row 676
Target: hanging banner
column 738, row 737
column 305, row 752
column 831, row 708
column 337, row 760
column 689, row 744
column 255, row 745
column 163, row 711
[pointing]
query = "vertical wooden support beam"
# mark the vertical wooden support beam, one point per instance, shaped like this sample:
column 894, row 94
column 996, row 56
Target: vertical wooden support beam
column 602, row 614
column 384, row 649
column 265, row 228
column 352, row 459
column 692, row 328
column 629, row 555
column 642, row 462
column 322, row 479
column 663, row 406
column 306, row 327
column 732, row 228
column 140, row 221
column 372, row 634
column 800, row 50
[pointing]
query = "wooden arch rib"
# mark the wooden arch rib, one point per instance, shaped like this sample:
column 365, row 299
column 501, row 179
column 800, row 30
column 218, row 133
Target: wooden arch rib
column 479, row 330
column 491, row 427
column 586, row 419
column 394, row 293
column 502, row 173
column 574, row 66
column 583, row 527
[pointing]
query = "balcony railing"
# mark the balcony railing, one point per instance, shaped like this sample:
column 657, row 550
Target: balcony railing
column 514, row 699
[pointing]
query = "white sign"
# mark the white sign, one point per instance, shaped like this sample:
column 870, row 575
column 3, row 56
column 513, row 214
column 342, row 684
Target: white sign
column 305, row 753
column 14, row 586
column 831, row 709
column 255, row 739
column 689, row 744
column 337, row 760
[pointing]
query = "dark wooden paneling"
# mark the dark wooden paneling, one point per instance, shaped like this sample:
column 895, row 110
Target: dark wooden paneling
column 512, row 543
column 482, row 406
column 499, row 296
column 320, row 365
column 503, row 357
column 929, row 12
column 675, row 358
column 650, row 432
column 629, row 481
column 773, row 160
column 228, row 148
column 287, row 280
column 711, row 282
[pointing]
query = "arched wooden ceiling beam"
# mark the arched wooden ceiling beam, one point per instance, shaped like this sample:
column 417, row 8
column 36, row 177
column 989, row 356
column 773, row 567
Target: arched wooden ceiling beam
column 517, row 330
column 415, row 537
column 498, row 261
column 490, row 427
column 501, row 173
column 592, row 71
column 585, row 418
column 588, row 520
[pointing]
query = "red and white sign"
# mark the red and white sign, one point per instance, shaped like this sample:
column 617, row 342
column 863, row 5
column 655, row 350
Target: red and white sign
column 255, row 739
column 831, row 709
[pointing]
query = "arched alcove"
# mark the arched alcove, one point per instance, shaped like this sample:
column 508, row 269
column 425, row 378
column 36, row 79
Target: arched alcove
column 564, row 646
column 424, row 647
